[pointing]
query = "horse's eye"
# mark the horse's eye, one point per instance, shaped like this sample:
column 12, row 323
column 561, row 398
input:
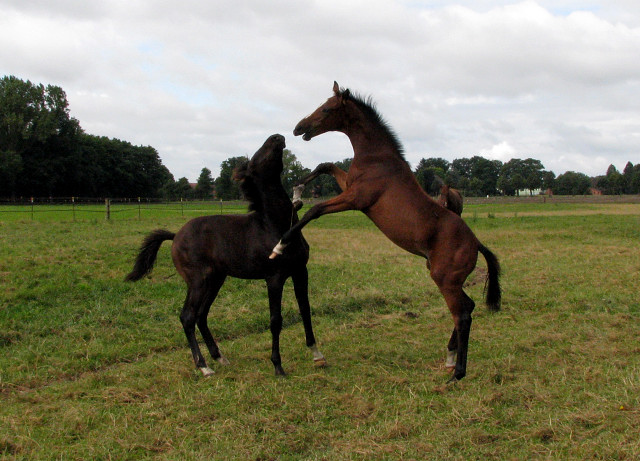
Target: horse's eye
column 325, row 111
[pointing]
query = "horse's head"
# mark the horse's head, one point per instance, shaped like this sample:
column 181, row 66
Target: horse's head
column 266, row 163
column 330, row 116
column 262, row 172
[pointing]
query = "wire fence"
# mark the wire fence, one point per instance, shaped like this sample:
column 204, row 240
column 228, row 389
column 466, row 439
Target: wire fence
column 83, row 209
column 122, row 209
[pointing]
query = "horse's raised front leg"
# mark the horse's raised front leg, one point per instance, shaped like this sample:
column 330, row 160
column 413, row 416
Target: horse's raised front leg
column 324, row 168
column 301, row 288
column 342, row 202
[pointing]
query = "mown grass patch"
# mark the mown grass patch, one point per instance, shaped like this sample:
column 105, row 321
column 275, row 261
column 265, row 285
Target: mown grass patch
column 92, row 367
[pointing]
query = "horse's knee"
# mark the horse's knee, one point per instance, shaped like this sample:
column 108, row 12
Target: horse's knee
column 188, row 318
column 276, row 323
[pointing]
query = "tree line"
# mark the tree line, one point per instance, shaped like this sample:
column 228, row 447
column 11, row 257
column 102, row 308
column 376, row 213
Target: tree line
column 44, row 153
column 477, row 176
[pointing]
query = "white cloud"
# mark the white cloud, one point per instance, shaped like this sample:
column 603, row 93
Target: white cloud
column 202, row 81
column 502, row 151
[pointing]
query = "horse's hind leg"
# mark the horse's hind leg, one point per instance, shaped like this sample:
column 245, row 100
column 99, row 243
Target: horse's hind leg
column 274, row 287
column 200, row 295
column 189, row 317
column 212, row 287
column 452, row 350
column 301, row 289
column 461, row 307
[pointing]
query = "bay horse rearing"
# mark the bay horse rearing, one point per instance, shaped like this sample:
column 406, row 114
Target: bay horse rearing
column 380, row 183
column 209, row 248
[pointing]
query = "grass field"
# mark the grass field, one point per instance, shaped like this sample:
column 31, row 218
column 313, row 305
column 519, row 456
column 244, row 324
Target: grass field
column 92, row 367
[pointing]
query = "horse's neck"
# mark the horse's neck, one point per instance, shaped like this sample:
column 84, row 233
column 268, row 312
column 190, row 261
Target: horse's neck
column 276, row 207
column 370, row 143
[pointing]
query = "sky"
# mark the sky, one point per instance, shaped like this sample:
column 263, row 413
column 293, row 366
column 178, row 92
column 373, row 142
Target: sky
column 200, row 81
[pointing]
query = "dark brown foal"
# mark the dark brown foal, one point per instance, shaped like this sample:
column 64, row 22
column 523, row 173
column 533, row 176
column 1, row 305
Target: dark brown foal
column 208, row 249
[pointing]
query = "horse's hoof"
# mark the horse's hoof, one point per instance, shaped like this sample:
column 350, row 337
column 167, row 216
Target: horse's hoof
column 206, row 371
column 451, row 359
column 453, row 380
column 277, row 250
column 320, row 363
column 280, row 372
column 223, row 360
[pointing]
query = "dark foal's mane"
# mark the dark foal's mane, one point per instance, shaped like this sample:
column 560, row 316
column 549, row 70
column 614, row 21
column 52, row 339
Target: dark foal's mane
column 249, row 188
column 368, row 108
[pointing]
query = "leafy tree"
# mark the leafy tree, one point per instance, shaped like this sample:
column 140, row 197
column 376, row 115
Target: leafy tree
column 110, row 167
column 226, row 187
column 572, row 183
column 175, row 190
column 10, row 168
column 47, row 150
column 487, row 172
column 548, row 179
column 635, row 180
column 483, row 172
column 627, row 174
column 611, row 184
column 431, row 173
column 37, row 136
column 292, row 171
column 518, row 174
column 204, row 187
column 533, row 173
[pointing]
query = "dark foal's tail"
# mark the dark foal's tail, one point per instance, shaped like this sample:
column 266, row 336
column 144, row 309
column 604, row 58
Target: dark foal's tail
column 148, row 252
column 493, row 290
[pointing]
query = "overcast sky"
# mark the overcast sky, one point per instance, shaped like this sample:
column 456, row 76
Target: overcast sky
column 203, row 81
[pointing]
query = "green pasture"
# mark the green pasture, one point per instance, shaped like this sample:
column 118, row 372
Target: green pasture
column 92, row 367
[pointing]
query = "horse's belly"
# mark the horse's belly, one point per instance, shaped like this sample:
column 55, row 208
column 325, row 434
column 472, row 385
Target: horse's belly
column 409, row 234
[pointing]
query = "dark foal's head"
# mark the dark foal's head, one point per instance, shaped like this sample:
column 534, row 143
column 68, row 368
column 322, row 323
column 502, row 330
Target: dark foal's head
column 260, row 176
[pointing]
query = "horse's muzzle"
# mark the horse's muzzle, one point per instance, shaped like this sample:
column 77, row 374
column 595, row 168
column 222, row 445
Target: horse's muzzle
column 303, row 129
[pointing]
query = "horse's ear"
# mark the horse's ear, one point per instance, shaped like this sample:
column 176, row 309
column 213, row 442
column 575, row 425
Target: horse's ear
column 336, row 88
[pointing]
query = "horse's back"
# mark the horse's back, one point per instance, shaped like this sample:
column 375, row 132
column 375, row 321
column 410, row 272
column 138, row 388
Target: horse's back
column 231, row 245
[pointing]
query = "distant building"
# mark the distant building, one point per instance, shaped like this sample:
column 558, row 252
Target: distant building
column 525, row 192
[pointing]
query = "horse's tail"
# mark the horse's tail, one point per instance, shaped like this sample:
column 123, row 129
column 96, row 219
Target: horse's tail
column 493, row 289
column 148, row 252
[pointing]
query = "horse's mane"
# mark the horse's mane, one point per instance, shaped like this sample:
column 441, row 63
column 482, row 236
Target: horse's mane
column 248, row 187
column 368, row 108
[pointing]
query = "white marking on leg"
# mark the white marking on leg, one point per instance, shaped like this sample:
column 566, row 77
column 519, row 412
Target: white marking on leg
column 451, row 359
column 206, row 371
column 277, row 250
column 297, row 192
column 222, row 360
column 318, row 358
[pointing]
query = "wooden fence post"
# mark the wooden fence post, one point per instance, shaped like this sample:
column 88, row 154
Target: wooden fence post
column 107, row 204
